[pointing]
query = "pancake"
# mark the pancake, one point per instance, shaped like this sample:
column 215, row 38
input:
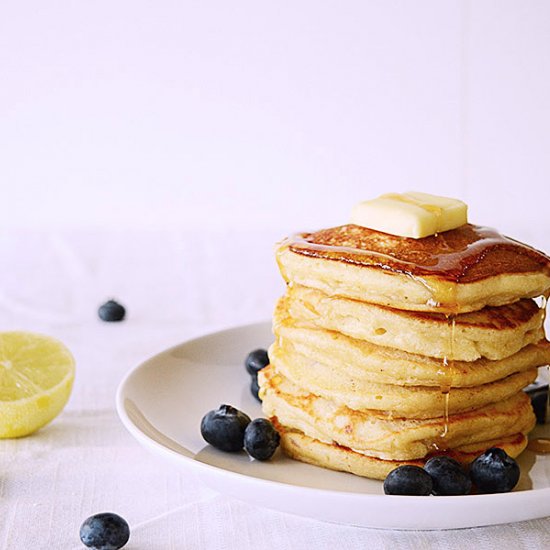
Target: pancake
column 456, row 271
column 366, row 362
column 493, row 332
column 375, row 434
column 335, row 457
column 336, row 384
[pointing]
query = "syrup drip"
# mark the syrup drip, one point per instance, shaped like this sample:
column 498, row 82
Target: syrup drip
column 446, row 413
column 445, row 385
column 543, row 304
column 446, row 293
column 442, row 294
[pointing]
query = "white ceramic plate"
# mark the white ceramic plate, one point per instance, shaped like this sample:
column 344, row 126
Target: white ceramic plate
column 161, row 402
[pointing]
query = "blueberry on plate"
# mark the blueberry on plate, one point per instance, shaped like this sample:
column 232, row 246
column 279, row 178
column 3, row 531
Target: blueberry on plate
column 255, row 387
column 255, row 361
column 261, row 439
column 448, row 477
column 105, row 531
column 111, row 311
column 494, row 472
column 539, row 400
column 224, row 428
column 408, row 480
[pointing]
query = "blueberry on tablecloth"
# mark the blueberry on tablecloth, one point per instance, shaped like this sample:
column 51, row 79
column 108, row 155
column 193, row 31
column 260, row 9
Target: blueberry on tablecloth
column 105, row 531
column 111, row 311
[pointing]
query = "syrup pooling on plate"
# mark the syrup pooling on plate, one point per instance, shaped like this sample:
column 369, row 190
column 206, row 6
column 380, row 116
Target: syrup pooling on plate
column 539, row 445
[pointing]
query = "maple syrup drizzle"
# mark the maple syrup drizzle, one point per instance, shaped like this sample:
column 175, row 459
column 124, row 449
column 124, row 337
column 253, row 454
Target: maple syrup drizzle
column 452, row 264
column 446, row 383
column 448, row 256
column 450, row 367
column 446, row 293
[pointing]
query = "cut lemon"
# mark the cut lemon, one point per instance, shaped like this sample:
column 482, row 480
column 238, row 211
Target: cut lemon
column 36, row 378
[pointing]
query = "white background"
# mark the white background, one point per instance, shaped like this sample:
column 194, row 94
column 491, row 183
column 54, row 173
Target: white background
column 154, row 152
column 271, row 115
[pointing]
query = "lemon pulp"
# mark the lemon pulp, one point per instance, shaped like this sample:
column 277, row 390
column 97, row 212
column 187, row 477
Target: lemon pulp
column 36, row 378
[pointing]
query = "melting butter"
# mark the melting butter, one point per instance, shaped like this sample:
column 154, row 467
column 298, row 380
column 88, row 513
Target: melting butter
column 411, row 214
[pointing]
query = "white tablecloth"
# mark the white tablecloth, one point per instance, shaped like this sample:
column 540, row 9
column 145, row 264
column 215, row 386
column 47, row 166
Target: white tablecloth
column 175, row 286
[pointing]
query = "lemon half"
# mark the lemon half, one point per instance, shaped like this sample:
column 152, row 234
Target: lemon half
column 36, row 378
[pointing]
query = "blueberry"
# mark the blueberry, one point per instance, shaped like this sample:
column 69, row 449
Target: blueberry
column 256, row 360
column 255, row 387
column 494, row 472
column 111, row 311
column 261, row 439
column 539, row 400
column 448, row 477
column 106, row 531
column 408, row 480
column 224, row 428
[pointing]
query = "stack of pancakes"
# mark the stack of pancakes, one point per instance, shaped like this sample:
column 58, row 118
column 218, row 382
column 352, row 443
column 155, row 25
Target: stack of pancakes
column 389, row 350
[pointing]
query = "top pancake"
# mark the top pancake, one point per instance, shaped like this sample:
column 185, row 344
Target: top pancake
column 461, row 270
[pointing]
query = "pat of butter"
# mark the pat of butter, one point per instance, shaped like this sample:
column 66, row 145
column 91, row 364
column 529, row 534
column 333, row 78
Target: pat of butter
column 410, row 214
